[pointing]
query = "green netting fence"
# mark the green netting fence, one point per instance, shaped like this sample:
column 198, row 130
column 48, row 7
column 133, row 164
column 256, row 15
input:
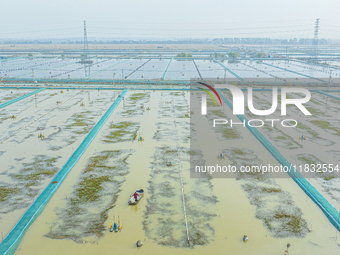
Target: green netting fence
column 20, row 98
column 13, row 239
column 326, row 94
column 327, row 208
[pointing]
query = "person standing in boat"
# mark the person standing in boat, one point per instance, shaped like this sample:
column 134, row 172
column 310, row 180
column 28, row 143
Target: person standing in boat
column 135, row 196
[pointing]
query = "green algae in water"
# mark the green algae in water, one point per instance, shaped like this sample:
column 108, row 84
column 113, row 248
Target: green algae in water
column 6, row 193
column 94, row 195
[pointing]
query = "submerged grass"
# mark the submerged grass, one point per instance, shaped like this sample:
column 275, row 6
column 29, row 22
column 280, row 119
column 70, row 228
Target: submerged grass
column 134, row 105
column 326, row 125
column 315, row 102
column 307, row 160
column 315, row 165
column 82, row 121
column 11, row 97
column 94, row 195
column 26, row 183
column 308, row 129
column 238, row 151
column 293, row 222
column 282, row 139
column 281, row 221
column 90, row 187
column 230, row 133
column 219, row 113
column 6, row 192
column 41, row 167
column 123, row 131
column 163, row 222
column 328, row 178
column 138, row 96
column 314, row 111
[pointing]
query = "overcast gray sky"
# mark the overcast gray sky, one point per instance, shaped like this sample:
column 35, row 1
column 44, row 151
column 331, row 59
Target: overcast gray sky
column 151, row 19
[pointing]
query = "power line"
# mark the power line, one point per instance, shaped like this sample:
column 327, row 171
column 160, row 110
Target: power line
column 213, row 23
column 38, row 31
column 195, row 29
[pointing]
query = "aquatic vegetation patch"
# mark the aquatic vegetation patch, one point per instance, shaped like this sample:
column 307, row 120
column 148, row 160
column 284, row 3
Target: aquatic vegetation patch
column 230, row 133
column 174, row 104
column 134, row 105
column 315, row 101
column 204, row 198
column 284, row 222
column 224, row 132
column 163, row 191
column 280, row 138
column 219, row 113
column 139, row 96
column 177, row 94
column 165, row 131
column 328, row 178
column 165, row 203
column 314, row 111
column 308, row 159
column 281, row 221
column 315, row 165
column 182, row 111
column 55, row 133
column 123, row 131
column 329, row 181
column 326, row 125
column 41, row 167
column 93, row 196
column 13, row 96
column 6, row 192
column 89, row 188
column 81, row 123
column 308, row 129
column 26, row 182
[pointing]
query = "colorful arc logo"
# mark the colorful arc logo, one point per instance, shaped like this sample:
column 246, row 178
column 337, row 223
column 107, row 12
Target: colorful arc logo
column 213, row 90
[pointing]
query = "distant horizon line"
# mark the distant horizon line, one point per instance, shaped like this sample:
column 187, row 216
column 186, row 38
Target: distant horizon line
column 219, row 40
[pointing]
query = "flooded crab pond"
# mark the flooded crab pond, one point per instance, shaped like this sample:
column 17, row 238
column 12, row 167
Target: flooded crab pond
column 219, row 211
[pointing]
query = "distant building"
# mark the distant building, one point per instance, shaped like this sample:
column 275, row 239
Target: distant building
column 267, row 41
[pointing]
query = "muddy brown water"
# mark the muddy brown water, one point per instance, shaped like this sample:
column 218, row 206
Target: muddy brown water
column 235, row 216
column 24, row 146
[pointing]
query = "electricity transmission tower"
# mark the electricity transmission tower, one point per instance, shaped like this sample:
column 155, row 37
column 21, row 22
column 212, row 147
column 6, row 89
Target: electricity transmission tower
column 86, row 45
column 316, row 41
column 87, row 63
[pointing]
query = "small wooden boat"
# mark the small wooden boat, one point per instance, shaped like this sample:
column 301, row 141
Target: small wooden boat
column 132, row 200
